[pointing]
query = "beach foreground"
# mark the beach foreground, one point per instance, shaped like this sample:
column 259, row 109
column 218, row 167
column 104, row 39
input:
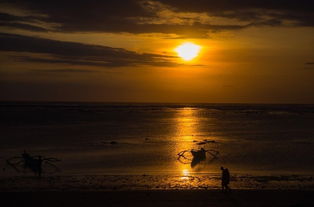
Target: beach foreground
column 163, row 198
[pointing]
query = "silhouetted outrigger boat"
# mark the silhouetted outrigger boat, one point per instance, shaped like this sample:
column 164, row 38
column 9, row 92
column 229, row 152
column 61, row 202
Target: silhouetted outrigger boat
column 196, row 156
column 199, row 154
column 35, row 163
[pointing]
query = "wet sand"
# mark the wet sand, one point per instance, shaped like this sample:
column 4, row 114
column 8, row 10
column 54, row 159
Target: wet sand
column 151, row 182
column 162, row 198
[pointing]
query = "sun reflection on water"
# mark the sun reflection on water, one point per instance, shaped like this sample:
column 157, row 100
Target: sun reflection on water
column 187, row 128
column 185, row 174
column 188, row 132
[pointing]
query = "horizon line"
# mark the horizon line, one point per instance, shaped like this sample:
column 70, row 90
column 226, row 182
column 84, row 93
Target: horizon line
column 150, row 102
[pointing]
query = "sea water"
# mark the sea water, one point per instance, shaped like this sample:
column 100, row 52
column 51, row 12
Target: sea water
column 145, row 139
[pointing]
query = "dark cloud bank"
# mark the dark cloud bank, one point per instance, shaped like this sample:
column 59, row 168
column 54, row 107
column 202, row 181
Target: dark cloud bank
column 77, row 53
column 124, row 16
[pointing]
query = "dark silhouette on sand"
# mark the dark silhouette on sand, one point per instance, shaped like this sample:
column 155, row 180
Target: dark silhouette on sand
column 198, row 156
column 225, row 179
column 34, row 163
column 194, row 157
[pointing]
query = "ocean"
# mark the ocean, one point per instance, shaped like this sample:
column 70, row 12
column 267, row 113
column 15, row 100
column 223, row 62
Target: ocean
column 115, row 140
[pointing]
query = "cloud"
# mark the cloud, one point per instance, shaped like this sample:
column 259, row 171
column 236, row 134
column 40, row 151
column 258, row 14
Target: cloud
column 309, row 65
column 299, row 11
column 31, row 23
column 66, row 70
column 177, row 24
column 181, row 17
column 78, row 53
column 23, row 26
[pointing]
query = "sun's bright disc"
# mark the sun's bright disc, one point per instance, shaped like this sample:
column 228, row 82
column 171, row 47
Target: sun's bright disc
column 188, row 51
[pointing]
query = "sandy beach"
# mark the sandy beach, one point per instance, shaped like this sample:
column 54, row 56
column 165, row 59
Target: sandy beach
column 151, row 190
column 162, row 198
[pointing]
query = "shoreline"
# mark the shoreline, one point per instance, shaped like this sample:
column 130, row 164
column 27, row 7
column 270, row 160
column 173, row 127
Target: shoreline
column 104, row 183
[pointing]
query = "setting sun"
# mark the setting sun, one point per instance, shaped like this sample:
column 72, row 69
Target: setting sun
column 188, row 51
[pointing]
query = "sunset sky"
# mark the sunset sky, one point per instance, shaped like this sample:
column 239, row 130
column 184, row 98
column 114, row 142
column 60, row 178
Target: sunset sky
column 125, row 51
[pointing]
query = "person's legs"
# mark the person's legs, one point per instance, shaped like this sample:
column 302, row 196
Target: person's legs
column 223, row 186
column 228, row 189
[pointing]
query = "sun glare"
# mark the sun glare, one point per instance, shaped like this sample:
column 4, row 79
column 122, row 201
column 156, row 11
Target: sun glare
column 188, row 51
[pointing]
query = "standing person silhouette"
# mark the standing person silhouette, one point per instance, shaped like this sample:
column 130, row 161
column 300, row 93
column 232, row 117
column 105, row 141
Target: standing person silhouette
column 225, row 179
